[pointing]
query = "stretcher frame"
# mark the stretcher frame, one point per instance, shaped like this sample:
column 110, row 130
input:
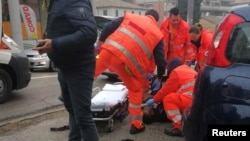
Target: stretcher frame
column 119, row 113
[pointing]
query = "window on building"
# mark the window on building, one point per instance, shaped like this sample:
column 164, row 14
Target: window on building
column 105, row 12
column 139, row 12
column 124, row 12
column 116, row 13
column 132, row 12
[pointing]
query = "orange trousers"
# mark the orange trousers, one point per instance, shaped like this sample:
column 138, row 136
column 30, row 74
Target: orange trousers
column 174, row 105
column 135, row 86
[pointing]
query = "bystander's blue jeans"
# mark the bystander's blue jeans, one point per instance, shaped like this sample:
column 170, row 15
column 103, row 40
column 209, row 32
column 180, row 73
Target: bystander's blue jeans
column 76, row 87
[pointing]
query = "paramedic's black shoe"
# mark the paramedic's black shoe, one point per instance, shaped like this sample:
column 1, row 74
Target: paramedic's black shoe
column 173, row 132
column 134, row 130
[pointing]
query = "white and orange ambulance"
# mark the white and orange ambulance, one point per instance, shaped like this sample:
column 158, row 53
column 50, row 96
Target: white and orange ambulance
column 14, row 66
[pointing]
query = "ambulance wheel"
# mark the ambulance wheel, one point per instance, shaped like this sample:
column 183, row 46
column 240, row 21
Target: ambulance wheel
column 5, row 86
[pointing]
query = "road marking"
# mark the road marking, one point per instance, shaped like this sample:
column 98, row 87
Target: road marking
column 41, row 77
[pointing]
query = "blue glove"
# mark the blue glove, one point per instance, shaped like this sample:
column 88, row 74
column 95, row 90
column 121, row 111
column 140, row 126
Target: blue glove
column 156, row 85
column 149, row 76
column 149, row 102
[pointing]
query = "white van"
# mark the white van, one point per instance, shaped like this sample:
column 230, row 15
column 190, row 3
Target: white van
column 14, row 66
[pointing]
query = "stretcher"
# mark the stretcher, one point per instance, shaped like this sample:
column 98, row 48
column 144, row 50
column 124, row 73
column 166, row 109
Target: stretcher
column 110, row 103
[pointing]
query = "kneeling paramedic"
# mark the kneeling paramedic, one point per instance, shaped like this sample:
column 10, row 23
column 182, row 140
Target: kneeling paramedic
column 175, row 94
column 130, row 46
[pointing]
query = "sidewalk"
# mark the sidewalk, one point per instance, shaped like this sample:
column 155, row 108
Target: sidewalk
column 38, row 129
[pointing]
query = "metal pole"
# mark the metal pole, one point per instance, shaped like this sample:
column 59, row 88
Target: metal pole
column 190, row 12
column 93, row 2
column 15, row 21
column 1, row 24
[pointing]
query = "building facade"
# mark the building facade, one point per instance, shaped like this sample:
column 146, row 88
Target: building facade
column 117, row 8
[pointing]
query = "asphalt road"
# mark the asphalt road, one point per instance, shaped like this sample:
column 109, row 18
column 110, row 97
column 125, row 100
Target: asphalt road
column 41, row 94
column 30, row 112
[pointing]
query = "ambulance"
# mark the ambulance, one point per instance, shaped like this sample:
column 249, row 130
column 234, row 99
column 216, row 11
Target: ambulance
column 14, row 66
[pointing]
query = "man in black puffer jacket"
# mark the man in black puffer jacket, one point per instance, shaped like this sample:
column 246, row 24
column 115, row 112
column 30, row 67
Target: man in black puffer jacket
column 71, row 34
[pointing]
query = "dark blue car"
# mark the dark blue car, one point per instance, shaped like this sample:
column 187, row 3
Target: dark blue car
column 222, row 91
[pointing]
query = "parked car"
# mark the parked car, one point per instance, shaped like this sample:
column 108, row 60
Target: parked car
column 101, row 21
column 43, row 62
column 38, row 61
column 222, row 90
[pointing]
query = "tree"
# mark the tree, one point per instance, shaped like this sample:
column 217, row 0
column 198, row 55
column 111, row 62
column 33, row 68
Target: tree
column 182, row 5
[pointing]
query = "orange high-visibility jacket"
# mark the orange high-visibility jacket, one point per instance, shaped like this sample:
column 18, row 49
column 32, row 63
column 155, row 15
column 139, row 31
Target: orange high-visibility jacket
column 206, row 41
column 175, row 39
column 181, row 81
column 190, row 53
column 133, row 44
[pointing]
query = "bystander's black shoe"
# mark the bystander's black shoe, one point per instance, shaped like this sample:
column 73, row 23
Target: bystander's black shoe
column 134, row 130
column 61, row 98
column 173, row 132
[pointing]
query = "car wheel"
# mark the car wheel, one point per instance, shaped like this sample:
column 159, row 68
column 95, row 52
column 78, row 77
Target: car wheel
column 52, row 67
column 5, row 86
column 185, row 122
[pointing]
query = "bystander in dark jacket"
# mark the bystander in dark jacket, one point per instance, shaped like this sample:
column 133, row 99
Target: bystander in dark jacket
column 71, row 33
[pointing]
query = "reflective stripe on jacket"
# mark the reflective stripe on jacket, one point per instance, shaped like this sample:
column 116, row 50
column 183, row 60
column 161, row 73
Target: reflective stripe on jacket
column 181, row 80
column 134, row 44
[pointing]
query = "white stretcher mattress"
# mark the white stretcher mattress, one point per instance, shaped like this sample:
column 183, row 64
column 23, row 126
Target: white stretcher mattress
column 110, row 96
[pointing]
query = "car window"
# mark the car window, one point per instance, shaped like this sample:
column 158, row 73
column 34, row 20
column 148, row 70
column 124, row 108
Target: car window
column 101, row 22
column 238, row 49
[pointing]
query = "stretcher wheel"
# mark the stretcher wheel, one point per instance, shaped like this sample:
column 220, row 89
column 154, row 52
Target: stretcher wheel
column 110, row 126
column 109, row 129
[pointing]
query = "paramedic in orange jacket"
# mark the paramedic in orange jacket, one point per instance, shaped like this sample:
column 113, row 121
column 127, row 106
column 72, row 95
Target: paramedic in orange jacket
column 176, row 37
column 202, row 39
column 175, row 94
column 130, row 49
